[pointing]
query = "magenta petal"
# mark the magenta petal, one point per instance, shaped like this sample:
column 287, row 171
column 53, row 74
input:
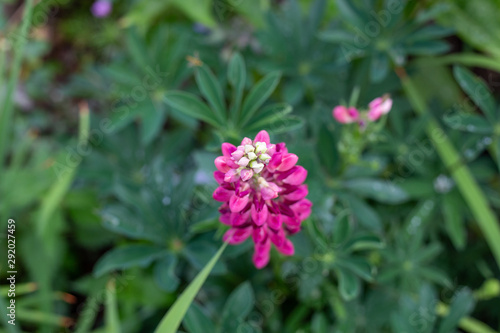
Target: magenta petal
column 236, row 203
column 227, row 149
column 240, row 218
column 297, row 177
column 302, row 209
column 231, row 176
column 274, row 221
column 277, row 237
column 274, row 162
column 246, row 141
column 246, row 174
column 299, row 193
column 221, row 164
column 287, row 162
column 286, row 248
column 259, row 234
column 221, row 194
column 237, row 235
column 219, row 176
column 261, row 254
column 225, row 219
column 262, row 136
column 259, row 216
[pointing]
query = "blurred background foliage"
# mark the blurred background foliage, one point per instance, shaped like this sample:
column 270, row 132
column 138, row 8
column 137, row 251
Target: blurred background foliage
column 109, row 127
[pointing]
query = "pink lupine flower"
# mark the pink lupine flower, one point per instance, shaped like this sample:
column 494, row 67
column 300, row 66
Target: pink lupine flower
column 101, row 8
column 379, row 106
column 345, row 115
column 263, row 195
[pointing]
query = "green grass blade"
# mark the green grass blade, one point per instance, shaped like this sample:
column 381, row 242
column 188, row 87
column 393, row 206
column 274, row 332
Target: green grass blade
column 8, row 103
column 173, row 318
column 53, row 199
column 111, row 318
column 470, row 190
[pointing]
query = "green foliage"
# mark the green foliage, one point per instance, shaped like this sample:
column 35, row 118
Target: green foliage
column 116, row 226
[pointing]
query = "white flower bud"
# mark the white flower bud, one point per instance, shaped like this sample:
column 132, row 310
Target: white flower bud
column 249, row 148
column 251, row 156
column 261, row 147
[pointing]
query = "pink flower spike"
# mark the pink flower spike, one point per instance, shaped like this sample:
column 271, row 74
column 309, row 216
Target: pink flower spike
column 262, row 136
column 263, row 195
column 345, row 115
column 379, row 106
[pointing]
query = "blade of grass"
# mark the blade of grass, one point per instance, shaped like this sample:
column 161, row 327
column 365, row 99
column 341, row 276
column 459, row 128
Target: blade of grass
column 111, row 319
column 467, row 185
column 53, row 199
column 8, row 103
column 173, row 318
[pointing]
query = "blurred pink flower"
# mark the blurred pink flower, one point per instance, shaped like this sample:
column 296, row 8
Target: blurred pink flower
column 379, row 106
column 263, row 195
column 345, row 115
column 101, row 8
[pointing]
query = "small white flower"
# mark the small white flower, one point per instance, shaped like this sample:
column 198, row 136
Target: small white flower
column 261, row 147
column 256, row 166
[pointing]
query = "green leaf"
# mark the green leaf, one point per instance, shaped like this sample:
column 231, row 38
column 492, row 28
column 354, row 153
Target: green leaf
column 349, row 284
column 111, row 311
column 236, row 75
column 424, row 48
column 192, row 106
column 477, row 90
column 137, row 50
column 258, row 95
column 211, row 90
column 172, row 319
column 196, row 321
column 237, row 307
column 364, row 242
column 379, row 190
column 327, row 150
column 127, row 256
column 341, row 229
column 434, row 275
column 429, row 32
column 379, row 67
column 270, row 114
column 319, row 323
column 358, row 266
column 337, row 36
column 152, row 120
column 463, row 304
column 350, row 14
column 198, row 10
column 469, row 123
column 164, row 273
column 454, row 219
column 364, row 214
